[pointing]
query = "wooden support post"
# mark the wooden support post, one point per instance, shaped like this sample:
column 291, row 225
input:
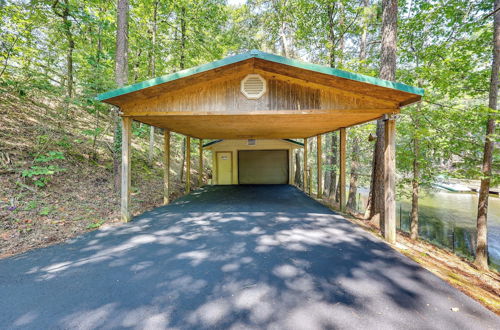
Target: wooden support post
column 319, row 166
column 200, row 170
column 305, row 165
column 125, row 179
column 342, row 182
column 166, row 166
column 188, row 164
column 389, row 227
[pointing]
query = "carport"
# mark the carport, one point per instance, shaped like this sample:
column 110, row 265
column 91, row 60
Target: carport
column 256, row 95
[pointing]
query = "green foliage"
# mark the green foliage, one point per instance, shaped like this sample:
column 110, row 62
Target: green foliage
column 43, row 139
column 93, row 132
column 140, row 130
column 49, row 157
column 95, row 224
column 40, row 173
column 64, row 142
column 443, row 46
column 46, row 210
column 31, row 205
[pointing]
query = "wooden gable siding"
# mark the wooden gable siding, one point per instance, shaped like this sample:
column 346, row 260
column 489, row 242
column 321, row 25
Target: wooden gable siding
column 223, row 95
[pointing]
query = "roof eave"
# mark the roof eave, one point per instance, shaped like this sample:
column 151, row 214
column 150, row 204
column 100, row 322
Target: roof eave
column 263, row 56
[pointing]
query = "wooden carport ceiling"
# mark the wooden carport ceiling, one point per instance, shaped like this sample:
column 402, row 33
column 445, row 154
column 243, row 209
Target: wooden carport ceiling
column 259, row 125
column 205, row 102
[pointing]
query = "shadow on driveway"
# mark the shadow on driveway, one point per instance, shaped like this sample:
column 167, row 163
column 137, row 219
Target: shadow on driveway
column 237, row 257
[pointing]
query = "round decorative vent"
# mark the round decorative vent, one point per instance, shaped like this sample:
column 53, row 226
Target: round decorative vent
column 253, row 86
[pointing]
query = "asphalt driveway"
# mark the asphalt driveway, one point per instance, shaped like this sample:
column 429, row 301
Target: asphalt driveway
column 238, row 257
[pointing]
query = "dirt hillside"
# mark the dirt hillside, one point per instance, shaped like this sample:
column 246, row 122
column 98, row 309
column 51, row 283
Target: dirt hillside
column 56, row 178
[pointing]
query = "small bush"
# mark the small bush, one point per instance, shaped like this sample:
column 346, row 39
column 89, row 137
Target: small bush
column 46, row 210
column 40, row 173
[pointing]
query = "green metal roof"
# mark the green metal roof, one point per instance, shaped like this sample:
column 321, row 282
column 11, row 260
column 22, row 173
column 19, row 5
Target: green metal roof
column 263, row 56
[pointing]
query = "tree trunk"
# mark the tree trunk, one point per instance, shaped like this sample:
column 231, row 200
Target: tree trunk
column 71, row 47
column 121, row 68
column 310, row 164
column 285, row 47
column 137, row 64
column 342, row 39
column 340, row 55
column 331, row 31
column 121, row 76
column 387, row 72
column 481, row 259
column 97, row 88
column 333, row 161
column 183, row 162
column 151, row 145
column 153, row 74
column 364, row 33
column 415, row 180
column 328, row 167
column 298, row 170
column 65, row 15
column 353, row 181
column 389, row 38
column 183, row 38
column 182, row 65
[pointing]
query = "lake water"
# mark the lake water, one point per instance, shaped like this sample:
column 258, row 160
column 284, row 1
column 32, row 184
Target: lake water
column 448, row 219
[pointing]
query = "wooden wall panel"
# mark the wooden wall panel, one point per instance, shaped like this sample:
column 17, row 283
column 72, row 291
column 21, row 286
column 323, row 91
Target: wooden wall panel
column 224, row 96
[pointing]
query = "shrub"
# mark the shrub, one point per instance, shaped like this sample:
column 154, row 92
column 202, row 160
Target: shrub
column 40, row 173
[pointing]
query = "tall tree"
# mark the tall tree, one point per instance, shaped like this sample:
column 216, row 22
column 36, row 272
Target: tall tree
column 326, row 166
column 154, row 30
column 121, row 78
column 121, row 59
column 482, row 210
column 364, row 32
column 182, row 63
column 298, row 170
column 353, row 181
column 363, row 41
column 387, row 72
column 415, row 183
column 333, row 161
column 62, row 9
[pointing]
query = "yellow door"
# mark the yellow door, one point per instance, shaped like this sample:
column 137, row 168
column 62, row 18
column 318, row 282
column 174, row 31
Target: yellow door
column 224, row 167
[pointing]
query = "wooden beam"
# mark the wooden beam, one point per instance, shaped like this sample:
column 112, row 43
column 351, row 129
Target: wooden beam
column 188, row 164
column 304, row 112
column 389, row 227
column 200, row 170
column 166, row 166
column 125, row 176
column 319, row 167
column 305, row 165
column 342, row 182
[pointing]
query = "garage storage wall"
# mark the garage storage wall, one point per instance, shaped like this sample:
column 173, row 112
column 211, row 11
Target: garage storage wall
column 263, row 167
column 234, row 146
